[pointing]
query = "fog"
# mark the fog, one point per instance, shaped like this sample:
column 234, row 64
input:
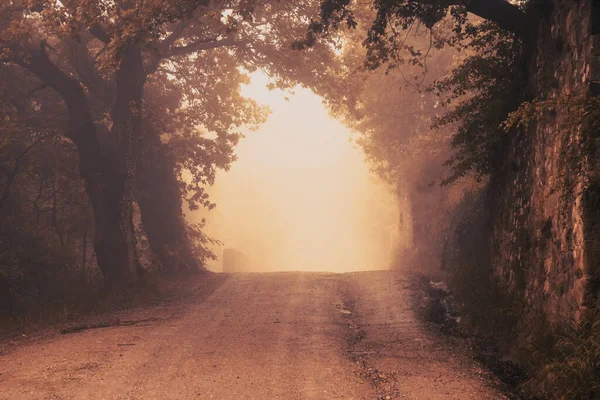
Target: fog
column 300, row 196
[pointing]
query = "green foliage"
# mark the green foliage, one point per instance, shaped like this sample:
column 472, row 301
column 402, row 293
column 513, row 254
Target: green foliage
column 570, row 369
column 482, row 90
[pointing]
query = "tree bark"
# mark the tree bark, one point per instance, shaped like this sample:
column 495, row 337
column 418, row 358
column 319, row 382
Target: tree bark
column 127, row 134
column 159, row 196
column 106, row 176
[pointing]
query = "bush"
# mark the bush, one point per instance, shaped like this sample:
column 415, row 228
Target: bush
column 570, row 369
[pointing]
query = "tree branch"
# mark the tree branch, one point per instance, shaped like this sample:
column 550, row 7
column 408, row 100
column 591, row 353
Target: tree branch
column 84, row 66
column 164, row 47
column 99, row 33
column 199, row 46
column 40, row 64
column 508, row 16
column 178, row 30
column 505, row 14
column 81, row 129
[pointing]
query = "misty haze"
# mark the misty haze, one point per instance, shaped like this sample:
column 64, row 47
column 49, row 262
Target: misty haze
column 300, row 199
column 300, row 195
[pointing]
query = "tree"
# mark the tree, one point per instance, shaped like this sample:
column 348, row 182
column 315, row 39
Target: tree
column 232, row 36
column 44, row 213
column 28, row 34
column 100, row 56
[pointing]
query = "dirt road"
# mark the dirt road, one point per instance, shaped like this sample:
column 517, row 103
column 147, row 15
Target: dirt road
column 258, row 336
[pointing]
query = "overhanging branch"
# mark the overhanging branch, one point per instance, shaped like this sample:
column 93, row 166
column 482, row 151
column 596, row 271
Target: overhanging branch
column 506, row 15
column 199, row 46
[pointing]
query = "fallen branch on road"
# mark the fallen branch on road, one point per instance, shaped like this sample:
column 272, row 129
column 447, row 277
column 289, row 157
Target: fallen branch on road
column 84, row 327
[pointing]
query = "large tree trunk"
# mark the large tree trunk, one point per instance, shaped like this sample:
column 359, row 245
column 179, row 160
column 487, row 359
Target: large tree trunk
column 107, row 177
column 127, row 133
column 159, row 196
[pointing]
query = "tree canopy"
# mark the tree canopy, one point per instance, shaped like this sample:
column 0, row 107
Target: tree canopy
column 147, row 101
column 127, row 70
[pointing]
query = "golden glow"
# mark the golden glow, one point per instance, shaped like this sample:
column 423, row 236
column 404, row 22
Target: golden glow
column 300, row 196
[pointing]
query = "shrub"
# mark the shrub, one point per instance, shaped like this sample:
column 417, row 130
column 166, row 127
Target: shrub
column 570, row 369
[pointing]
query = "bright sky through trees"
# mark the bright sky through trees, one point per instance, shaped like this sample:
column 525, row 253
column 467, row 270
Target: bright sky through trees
column 300, row 196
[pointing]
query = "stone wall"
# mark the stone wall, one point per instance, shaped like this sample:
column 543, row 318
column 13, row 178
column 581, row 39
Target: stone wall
column 543, row 246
